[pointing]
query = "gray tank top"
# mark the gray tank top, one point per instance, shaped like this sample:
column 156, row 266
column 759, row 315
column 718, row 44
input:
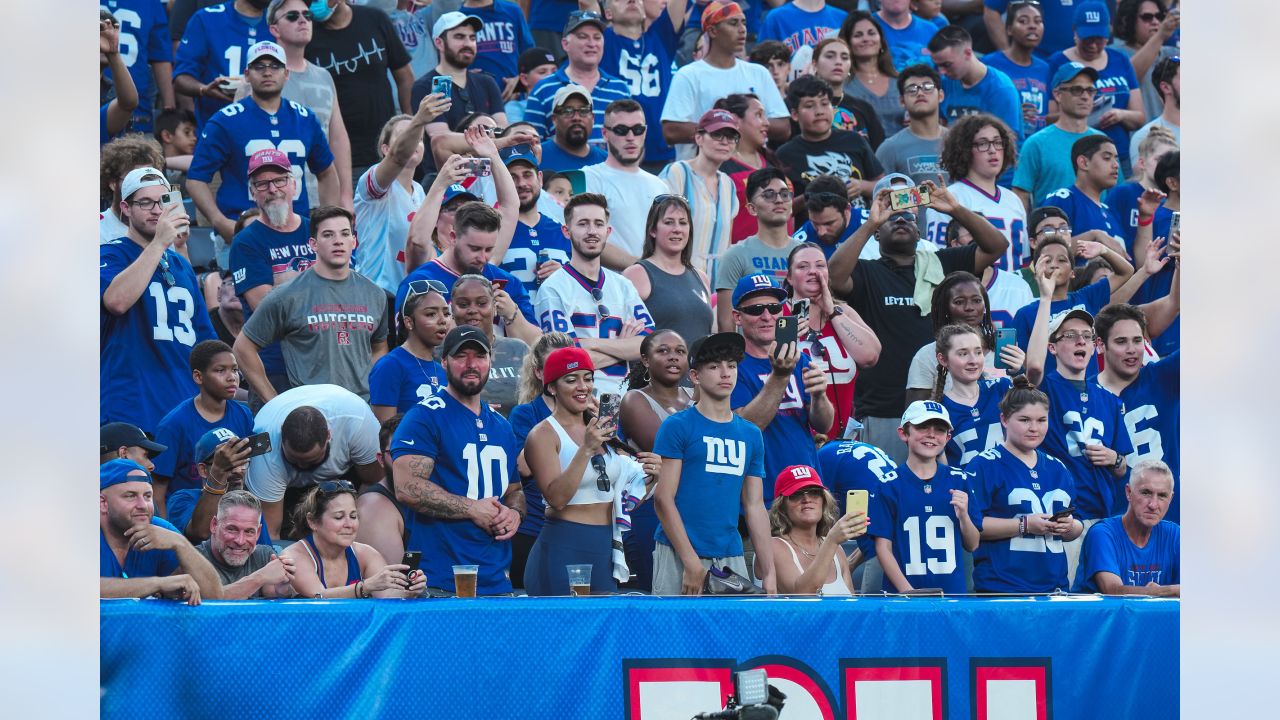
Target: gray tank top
column 678, row 302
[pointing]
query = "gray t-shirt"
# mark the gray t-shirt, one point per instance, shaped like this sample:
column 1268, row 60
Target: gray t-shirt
column 325, row 328
column 911, row 155
column 749, row 257
column 258, row 559
column 888, row 107
column 503, row 386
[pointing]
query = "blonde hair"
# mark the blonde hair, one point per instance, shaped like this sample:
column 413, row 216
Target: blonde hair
column 530, row 386
column 780, row 523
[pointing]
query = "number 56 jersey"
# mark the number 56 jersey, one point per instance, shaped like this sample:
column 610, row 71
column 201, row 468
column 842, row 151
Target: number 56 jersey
column 475, row 457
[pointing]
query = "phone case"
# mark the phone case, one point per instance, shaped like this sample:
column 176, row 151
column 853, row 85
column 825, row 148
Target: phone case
column 856, row 501
column 786, row 330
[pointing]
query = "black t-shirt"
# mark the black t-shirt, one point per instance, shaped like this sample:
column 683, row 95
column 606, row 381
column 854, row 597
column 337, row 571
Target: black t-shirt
column 844, row 154
column 480, row 95
column 180, row 12
column 884, row 295
column 855, row 115
column 359, row 57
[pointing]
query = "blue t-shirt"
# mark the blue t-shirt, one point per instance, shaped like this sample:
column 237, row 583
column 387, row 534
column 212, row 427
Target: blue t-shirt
column 435, row 271
column 1004, row 487
column 150, row 563
column 798, row 28
column 1152, row 417
column 182, row 505
column 1031, row 81
column 181, row 429
column 917, row 518
column 549, row 14
column 1116, row 82
column 538, row 110
column 104, row 136
column 1159, row 285
column 503, row 38
column 1044, row 162
column 716, row 458
column 1090, row 297
column 401, row 380
column 144, row 368
column 475, row 457
column 522, row 255
column 1091, row 416
column 1059, row 24
column 258, row 256
column 1107, row 548
column 1123, row 201
column 556, row 159
column 215, row 44
column 976, row 428
column 646, row 66
column 909, row 45
column 144, row 39
column 523, row 418
column 1085, row 214
column 994, row 94
column 807, row 233
column 241, row 129
column 852, row 465
column 788, row 439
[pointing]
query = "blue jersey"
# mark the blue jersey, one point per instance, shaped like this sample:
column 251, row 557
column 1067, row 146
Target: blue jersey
column 806, row 233
column 1031, row 82
column 1086, row 414
column 1152, row 418
column 435, row 270
column 1159, row 285
column 994, row 94
column 264, row 256
column 1059, row 24
column 215, row 44
column 150, row 563
column 646, row 66
column 522, row 255
column 976, row 428
column 143, row 368
column 852, row 465
column 242, row 129
column 1116, row 83
column 556, row 159
column 1090, row 297
column 1107, row 548
column 182, row 505
column 798, row 28
column 909, row 45
column 523, row 418
column 181, row 429
column 917, row 518
column 401, row 380
column 716, row 457
column 788, row 439
column 538, row 110
column 1085, row 214
column 1123, row 201
column 475, row 457
column 144, row 39
column 549, row 14
column 1004, row 487
column 503, row 38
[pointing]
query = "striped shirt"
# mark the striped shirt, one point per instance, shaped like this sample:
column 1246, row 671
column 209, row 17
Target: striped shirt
column 538, row 109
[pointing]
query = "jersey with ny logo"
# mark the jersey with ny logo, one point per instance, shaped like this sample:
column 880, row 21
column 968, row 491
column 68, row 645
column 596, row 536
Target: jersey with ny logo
column 788, row 439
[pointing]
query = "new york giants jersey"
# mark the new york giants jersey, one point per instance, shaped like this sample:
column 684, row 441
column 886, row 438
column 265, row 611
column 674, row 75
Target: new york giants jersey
column 1085, row 214
column 215, row 44
column 1004, row 487
column 401, row 380
column 1008, row 293
column 144, row 39
column 565, row 304
column 143, row 368
column 382, row 224
column 851, row 465
column 1091, row 298
column 1079, row 417
column 521, row 259
column 475, row 457
column 241, row 129
column 1004, row 210
column 645, row 64
column 788, row 439
column 917, row 518
column 1152, row 410
column 976, row 428
column 826, row 352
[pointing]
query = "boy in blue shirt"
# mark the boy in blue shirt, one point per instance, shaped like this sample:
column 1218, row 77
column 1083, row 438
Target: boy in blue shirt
column 801, row 23
column 1137, row 553
column 1097, row 169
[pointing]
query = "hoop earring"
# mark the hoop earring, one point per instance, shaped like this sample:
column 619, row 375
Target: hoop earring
column 645, row 378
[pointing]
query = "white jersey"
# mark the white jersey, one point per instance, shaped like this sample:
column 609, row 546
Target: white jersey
column 110, row 227
column 1008, row 292
column 565, row 304
column 382, row 225
column 1004, row 210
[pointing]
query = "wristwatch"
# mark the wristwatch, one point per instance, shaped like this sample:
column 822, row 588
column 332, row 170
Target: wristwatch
column 1119, row 461
column 837, row 310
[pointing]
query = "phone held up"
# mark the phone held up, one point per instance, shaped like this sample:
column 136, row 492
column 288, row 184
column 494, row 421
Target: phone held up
column 908, row 197
column 442, row 84
column 786, row 332
column 856, row 501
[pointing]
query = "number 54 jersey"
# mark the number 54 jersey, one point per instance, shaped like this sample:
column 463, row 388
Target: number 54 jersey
column 475, row 457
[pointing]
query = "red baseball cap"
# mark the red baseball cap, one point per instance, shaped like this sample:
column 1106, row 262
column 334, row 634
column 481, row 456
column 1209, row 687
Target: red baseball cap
column 563, row 361
column 794, row 479
column 269, row 157
column 717, row 119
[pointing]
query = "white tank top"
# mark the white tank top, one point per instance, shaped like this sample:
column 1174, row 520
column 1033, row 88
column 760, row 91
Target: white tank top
column 587, row 492
column 835, row 587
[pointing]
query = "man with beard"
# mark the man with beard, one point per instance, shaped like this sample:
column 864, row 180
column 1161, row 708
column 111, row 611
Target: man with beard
column 583, row 44
column 639, row 49
column 331, row 321
column 537, row 248
column 833, row 219
column 264, row 120
column 893, row 296
column 472, row 90
column 246, row 567
column 152, row 310
column 454, row 465
column 596, row 306
column 573, row 120
column 142, row 555
column 629, row 190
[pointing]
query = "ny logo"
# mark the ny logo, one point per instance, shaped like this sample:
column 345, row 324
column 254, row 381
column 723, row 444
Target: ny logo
column 728, row 457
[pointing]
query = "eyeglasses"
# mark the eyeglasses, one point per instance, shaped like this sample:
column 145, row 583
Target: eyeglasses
column 422, row 287
column 581, row 112
column 772, row 195
column 266, row 67
column 985, row 145
column 1062, row 231
column 725, row 136
column 332, row 486
column 917, row 88
column 278, row 183
column 293, row 15
column 625, row 130
column 1074, row 336
column 1079, row 91
column 758, row 310
column 1151, row 16
column 146, row 205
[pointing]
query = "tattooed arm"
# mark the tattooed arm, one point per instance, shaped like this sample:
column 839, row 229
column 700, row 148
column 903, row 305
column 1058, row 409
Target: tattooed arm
column 415, row 489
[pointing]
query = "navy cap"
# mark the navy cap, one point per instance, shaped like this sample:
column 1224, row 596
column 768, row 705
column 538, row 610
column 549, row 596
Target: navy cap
column 121, row 434
column 761, row 283
column 461, row 336
column 710, row 346
column 1092, row 20
column 209, row 442
column 1069, row 71
column 519, row 153
column 121, row 470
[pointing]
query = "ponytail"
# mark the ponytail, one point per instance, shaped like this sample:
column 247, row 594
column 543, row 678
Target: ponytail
column 1022, row 394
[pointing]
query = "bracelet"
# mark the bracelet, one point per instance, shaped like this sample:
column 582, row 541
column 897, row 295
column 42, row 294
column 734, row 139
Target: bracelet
column 1119, row 461
column 1022, row 525
column 212, row 490
column 1148, row 221
column 360, row 590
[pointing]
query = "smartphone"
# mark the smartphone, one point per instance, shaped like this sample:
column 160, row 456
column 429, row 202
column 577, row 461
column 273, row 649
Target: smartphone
column 1175, row 224
column 1064, row 512
column 1004, row 338
column 173, row 197
column 259, row 444
column 479, row 167
column 856, row 501
column 412, row 558
column 610, row 403
column 906, row 198
column 498, row 283
column 442, row 84
column 800, row 308
column 786, row 332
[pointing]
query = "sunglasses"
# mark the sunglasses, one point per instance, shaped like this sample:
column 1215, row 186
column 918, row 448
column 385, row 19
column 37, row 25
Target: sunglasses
column 293, row 15
column 1151, row 16
column 758, row 310
column 625, row 130
column 422, row 287
column 659, row 199
column 333, row 486
column 166, row 273
column 601, row 309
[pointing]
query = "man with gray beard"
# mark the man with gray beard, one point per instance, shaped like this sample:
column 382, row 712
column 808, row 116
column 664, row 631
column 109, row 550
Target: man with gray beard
column 246, row 569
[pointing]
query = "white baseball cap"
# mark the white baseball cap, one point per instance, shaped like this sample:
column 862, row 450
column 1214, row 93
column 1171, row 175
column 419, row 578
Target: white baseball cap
column 267, row 48
column 1056, row 321
column 922, row 411
column 140, row 178
column 451, row 20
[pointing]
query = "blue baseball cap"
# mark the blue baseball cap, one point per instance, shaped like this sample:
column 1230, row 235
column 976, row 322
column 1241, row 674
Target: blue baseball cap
column 753, row 284
column 456, row 190
column 519, row 153
column 210, row 441
column 1070, row 71
column 121, row 470
column 1092, row 20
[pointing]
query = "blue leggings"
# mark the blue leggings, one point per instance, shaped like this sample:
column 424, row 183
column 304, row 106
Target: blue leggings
column 561, row 543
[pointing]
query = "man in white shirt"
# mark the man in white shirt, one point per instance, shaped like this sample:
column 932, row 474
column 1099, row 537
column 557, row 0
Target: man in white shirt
column 629, row 190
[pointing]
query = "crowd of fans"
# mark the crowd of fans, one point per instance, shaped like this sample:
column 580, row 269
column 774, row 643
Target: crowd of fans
column 838, row 297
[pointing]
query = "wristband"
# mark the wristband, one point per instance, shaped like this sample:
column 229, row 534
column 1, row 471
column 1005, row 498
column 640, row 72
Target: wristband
column 1143, row 223
column 1119, row 461
column 212, row 490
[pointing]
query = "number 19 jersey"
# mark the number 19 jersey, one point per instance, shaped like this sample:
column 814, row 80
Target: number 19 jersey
column 922, row 526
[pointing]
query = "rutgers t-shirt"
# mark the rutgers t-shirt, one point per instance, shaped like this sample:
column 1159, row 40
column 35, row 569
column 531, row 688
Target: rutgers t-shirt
column 847, row 155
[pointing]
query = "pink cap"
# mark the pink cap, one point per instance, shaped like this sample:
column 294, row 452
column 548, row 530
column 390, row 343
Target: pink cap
column 269, row 158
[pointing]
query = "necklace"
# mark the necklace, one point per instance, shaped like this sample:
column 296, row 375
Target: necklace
column 802, row 550
column 435, row 382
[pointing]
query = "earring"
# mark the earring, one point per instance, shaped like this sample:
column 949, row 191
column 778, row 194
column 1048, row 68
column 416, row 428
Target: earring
column 646, row 377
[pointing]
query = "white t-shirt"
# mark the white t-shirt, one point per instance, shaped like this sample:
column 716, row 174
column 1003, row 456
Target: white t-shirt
column 696, row 87
column 1004, row 210
column 353, row 427
column 1008, row 293
column 111, row 227
column 630, row 195
column 382, row 225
